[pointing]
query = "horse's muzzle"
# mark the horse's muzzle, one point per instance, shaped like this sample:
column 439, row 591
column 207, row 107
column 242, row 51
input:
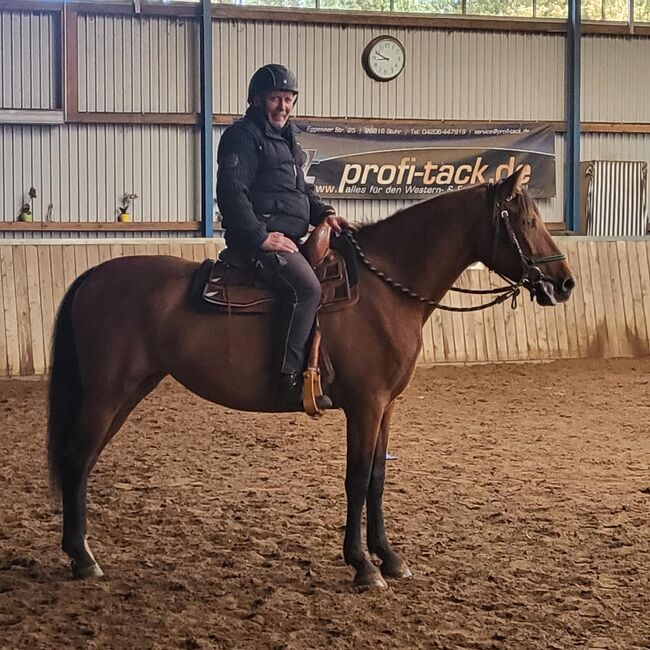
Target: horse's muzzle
column 549, row 293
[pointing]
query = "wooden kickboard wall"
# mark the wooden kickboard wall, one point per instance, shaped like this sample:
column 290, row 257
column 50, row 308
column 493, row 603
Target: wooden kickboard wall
column 608, row 315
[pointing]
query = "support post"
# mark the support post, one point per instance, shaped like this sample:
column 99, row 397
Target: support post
column 572, row 75
column 207, row 155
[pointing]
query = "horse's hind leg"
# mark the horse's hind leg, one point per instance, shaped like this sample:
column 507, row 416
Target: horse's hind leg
column 82, row 449
column 97, row 423
column 392, row 565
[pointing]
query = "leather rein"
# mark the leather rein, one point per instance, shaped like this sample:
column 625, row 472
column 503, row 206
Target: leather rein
column 532, row 277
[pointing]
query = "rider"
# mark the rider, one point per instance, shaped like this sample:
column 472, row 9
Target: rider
column 267, row 206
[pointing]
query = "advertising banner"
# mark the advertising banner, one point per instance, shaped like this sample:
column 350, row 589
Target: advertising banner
column 416, row 162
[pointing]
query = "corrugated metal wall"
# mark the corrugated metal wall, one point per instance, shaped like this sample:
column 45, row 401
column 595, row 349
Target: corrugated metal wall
column 616, row 79
column 83, row 171
column 616, row 146
column 149, row 64
column 448, row 75
column 138, row 65
column 27, row 69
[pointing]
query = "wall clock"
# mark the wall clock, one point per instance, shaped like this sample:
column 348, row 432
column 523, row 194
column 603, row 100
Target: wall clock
column 383, row 58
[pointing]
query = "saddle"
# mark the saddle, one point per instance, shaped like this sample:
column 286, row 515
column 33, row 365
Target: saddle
column 233, row 285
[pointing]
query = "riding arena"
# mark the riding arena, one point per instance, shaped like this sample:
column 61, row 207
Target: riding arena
column 468, row 465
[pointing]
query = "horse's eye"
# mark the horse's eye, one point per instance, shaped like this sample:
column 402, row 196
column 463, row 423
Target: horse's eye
column 509, row 197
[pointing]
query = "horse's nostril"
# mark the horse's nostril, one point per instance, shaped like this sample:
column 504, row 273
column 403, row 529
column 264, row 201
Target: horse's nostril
column 568, row 284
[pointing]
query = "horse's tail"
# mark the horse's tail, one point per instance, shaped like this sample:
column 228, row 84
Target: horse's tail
column 65, row 390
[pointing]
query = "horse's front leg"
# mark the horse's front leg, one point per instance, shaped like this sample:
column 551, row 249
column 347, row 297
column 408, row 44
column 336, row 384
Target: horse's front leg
column 392, row 564
column 362, row 431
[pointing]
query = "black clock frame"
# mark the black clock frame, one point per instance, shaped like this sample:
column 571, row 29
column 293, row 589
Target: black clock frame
column 365, row 57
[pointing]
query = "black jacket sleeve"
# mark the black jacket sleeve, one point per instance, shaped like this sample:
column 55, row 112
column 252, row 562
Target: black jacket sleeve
column 237, row 158
column 318, row 210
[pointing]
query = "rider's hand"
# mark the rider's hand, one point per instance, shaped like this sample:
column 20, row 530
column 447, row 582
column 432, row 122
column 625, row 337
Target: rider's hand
column 336, row 222
column 276, row 241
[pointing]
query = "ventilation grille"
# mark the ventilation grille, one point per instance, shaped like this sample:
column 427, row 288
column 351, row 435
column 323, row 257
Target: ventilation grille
column 617, row 198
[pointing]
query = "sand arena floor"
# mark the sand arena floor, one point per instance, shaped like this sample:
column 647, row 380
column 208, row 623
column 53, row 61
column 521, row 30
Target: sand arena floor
column 520, row 499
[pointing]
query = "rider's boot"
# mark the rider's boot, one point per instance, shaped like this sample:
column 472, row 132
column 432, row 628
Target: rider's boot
column 291, row 393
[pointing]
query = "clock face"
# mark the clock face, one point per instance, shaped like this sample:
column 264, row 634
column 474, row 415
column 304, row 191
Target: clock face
column 384, row 58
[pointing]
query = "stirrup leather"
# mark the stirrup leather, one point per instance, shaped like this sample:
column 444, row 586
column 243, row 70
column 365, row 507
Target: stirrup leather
column 311, row 386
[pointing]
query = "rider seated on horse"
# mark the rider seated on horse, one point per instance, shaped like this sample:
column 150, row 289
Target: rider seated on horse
column 267, row 206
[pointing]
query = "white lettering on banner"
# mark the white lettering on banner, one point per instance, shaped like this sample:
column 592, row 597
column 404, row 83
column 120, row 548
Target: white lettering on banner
column 384, row 179
column 503, row 171
column 367, row 170
column 431, row 173
column 346, row 179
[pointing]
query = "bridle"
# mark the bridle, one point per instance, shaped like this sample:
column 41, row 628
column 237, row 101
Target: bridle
column 532, row 279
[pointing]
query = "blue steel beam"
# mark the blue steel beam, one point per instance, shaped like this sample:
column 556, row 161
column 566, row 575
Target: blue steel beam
column 207, row 179
column 572, row 75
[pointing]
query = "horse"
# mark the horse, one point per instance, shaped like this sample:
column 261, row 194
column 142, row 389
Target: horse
column 126, row 324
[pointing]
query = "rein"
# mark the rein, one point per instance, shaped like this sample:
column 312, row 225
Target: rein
column 532, row 278
column 511, row 291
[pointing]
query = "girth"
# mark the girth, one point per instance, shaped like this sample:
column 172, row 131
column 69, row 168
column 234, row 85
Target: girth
column 233, row 285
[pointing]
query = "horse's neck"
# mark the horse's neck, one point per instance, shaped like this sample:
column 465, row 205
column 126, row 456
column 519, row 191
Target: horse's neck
column 426, row 248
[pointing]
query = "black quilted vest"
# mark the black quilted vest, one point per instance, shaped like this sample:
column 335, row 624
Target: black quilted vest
column 278, row 193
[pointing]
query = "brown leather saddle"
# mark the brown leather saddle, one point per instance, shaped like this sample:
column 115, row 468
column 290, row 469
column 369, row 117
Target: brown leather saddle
column 233, row 286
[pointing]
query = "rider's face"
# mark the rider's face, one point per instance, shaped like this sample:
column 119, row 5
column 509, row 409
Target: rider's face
column 278, row 105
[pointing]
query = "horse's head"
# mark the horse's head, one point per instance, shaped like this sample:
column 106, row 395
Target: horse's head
column 522, row 248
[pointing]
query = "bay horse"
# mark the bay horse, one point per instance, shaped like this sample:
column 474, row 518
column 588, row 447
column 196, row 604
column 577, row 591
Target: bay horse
column 124, row 325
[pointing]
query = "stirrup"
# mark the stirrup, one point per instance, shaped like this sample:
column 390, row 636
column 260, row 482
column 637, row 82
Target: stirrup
column 313, row 400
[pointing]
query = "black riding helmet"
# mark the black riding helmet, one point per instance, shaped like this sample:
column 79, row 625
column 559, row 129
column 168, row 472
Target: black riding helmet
column 271, row 76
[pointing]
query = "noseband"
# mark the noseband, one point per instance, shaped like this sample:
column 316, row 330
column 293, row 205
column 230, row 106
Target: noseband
column 533, row 277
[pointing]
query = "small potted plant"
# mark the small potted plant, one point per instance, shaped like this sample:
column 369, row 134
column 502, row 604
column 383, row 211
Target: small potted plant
column 25, row 213
column 26, row 210
column 123, row 215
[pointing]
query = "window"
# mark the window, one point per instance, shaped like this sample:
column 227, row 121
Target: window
column 610, row 10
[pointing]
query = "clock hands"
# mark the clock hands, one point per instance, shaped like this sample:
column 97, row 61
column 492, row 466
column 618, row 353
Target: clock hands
column 381, row 56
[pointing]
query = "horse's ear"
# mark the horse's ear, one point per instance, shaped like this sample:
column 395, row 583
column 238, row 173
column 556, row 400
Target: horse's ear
column 511, row 185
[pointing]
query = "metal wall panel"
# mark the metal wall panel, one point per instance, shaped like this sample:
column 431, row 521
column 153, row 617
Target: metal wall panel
column 147, row 65
column 615, row 79
column 448, row 75
column 552, row 210
column 83, row 171
column 27, row 60
column 615, row 146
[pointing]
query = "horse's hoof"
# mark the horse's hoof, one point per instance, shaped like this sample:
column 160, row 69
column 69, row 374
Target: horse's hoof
column 400, row 570
column 89, row 571
column 363, row 582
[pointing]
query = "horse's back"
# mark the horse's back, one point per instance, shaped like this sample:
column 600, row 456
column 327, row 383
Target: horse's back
column 163, row 266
